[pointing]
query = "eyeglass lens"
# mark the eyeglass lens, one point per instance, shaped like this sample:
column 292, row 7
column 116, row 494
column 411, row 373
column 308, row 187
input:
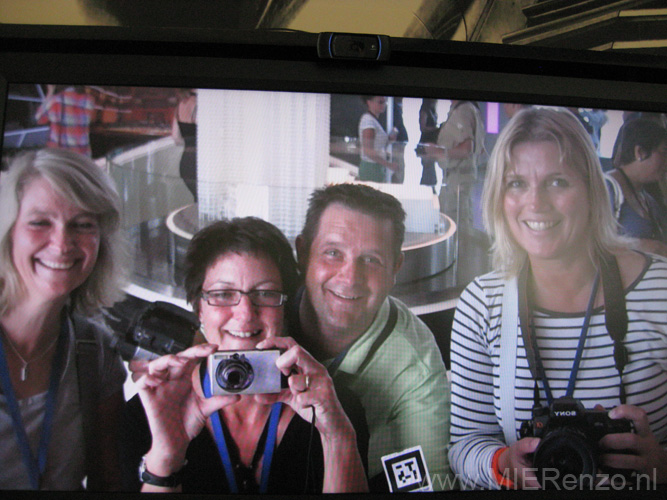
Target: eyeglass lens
column 262, row 298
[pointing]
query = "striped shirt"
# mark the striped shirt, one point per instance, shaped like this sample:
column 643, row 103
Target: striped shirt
column 476, row 424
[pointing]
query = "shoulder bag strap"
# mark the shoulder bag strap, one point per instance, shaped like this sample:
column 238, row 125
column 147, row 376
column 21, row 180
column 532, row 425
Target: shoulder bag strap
column 87, row 362
column 388, row 328
column 615, row 193
column 509, row 328
column 616, row 314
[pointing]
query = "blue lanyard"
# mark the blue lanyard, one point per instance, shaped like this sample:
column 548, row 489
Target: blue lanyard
column 580, row 348
column 220, row 441
column 35, row 465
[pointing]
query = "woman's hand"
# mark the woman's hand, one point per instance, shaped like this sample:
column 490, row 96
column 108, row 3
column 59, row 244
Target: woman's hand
column 639, row 451
column 393, row 135
column 368, row 149
column 516, row 463
column 176, row 412
column 310, row 387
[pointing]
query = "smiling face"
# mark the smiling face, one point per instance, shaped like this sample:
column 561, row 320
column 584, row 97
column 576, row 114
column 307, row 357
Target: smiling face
column 54, row 243
column 244, row 325
column 351, row 267
column 546, row 203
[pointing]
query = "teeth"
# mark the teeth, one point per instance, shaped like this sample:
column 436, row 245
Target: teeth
column 57, row 265
column 353, row 297
column 243, row 335
column 540, row 225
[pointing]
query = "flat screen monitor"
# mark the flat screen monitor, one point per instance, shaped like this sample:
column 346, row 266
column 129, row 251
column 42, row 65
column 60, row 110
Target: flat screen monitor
column 275, row 119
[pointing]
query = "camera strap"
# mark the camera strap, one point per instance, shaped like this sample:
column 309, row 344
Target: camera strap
column 533, row 351
column 389, row 326
column 269, row 435
column 35, row 465
column 616, row 322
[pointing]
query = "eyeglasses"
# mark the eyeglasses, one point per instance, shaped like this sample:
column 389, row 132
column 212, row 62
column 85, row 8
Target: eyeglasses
column 259, row 298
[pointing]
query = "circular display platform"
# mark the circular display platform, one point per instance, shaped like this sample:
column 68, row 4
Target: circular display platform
column 425, row 254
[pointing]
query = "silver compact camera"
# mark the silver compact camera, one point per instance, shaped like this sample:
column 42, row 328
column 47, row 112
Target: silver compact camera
column 245, row 372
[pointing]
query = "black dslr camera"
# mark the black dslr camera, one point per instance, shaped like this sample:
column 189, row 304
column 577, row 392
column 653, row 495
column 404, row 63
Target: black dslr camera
column 148, row 330
column 569, row 439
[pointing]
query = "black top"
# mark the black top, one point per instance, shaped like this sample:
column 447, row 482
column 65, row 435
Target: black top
column 189, row 133
column 204, row 472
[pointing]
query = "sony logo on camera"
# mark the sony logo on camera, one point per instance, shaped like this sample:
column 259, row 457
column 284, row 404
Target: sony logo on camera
column 245, row 372
column 566, row 413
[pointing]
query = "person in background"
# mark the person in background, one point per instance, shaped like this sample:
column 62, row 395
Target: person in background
column 184, row 132
column 69, row 114
column 461, row 136
column 349, row 252
column 459, row 151
column 61, row 384
column 592, row 120
column 640, row 160
column 560, row 268
column 428, row 125
column 239, row 275
column 399, row 125
column 375, row 165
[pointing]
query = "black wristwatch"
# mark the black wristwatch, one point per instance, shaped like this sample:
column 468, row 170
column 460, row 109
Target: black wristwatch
column 171, row 481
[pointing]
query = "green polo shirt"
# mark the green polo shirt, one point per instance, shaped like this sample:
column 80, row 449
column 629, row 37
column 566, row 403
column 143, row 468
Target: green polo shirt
column 404, row 391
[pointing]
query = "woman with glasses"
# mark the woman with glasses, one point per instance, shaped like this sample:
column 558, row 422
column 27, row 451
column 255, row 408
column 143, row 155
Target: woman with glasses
column 238, row 276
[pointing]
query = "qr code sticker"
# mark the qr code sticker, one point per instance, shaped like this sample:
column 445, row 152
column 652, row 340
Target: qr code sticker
column 406, row 471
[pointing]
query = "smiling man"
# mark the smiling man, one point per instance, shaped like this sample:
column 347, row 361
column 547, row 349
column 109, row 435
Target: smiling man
column 349, row 252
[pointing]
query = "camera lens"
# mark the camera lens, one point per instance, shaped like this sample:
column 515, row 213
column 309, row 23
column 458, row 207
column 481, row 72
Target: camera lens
column 561, row 453
column 234, row 374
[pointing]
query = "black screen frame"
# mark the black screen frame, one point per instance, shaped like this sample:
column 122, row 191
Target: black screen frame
column 278, row 60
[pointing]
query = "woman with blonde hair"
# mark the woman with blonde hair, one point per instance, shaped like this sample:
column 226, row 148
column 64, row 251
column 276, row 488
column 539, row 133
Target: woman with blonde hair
column 61, row 384
column 571, row 318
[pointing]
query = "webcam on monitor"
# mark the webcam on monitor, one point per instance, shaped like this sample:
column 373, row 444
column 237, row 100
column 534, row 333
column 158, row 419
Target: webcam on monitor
column 353, row 46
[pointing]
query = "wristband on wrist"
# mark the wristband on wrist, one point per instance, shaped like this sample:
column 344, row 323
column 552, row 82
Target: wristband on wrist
column 170, row 481
column 503, row 482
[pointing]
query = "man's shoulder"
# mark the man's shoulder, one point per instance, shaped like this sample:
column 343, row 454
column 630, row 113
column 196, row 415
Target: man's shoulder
column 411, row 338
column 406, row 318
column 404, row 321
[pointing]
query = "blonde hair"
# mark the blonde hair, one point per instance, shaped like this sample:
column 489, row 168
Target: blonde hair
column 562, row 128
column 78, row 179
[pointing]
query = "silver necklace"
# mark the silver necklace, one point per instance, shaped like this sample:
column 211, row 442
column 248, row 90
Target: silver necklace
column 24, row 368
